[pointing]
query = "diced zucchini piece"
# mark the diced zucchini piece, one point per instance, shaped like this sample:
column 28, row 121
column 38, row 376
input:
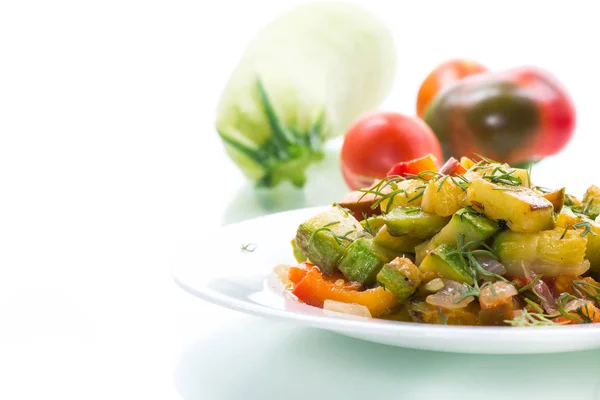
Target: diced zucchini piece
column 363, row 260
column 413, row 221
column 557, row 198
column 593, row 247
column 471, row 225
column 298, row 254
column 551, row 253
column 373, row 224
column 421, row 251
column 401, row 277
column 568, row 218
column 521, row 208
column 324, row 237
column 410, row 194
column 444, row 262
column 423, row 312
column 591, row 201
column 443, row 198
column 399, row 244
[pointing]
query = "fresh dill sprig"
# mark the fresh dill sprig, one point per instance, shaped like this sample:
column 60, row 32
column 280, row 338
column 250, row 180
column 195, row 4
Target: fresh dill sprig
column 537, row 317
column 443, row 317
column 531, row 285
column 419, row 193
column 542, row 189
column 486, row 159
column 584, row 314
column 345, row 210
column 529, row 175
column 336, row 237
column 580, row 316
column 531, row 319
column 587, row 226
column 470, row 209
column 570, row 200
column 249, row 247
column 499, row 175
column 378, row 190
column 368, row 227
column 565, row 232
column 466, row 253
column 460, row 181
column 442, row 181
column 582, row 210
column 425, row 175
column 585, row 288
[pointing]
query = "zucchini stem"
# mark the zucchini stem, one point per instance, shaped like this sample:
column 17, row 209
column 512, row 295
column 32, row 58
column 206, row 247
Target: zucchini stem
column 287, row 152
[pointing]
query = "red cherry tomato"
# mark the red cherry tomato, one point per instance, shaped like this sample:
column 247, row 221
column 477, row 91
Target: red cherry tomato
column 378, row 141
column 442, row 76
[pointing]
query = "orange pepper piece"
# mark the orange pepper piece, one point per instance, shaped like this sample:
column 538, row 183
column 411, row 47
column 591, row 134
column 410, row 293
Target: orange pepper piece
column 315, row 288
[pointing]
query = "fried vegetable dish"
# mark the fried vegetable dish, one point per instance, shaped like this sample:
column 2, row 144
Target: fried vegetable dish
column 471, row 243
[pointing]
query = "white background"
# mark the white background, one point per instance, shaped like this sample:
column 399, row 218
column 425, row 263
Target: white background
column 108, row 157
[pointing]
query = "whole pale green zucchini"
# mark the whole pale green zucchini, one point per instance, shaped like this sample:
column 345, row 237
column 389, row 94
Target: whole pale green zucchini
column 303, row 79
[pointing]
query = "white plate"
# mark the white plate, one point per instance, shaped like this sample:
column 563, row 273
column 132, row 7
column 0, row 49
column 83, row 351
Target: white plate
column 217, row 270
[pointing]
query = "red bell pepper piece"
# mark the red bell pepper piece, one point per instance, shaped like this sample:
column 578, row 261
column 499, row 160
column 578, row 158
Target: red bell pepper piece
column 415, row 167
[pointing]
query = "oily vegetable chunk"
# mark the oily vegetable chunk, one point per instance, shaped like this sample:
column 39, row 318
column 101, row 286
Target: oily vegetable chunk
column 446, row 195
column 557, row 198
column 324, row 237
column 473, row 226
column 363, row 259
column 298, row 254
column 521, row 208
column 408, row 193
column 551, row 253
column 421, row 311
column 568, row 219
column 401, row 277
column 443, row 198
column 422, row 250
column 414, row 222
column 398, row 244
column 591, row 200
column 444, row 262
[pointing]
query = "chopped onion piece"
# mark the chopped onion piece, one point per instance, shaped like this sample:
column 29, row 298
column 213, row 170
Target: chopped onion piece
column 490, row 264
column 502, row 293
column 543, row 291
column 573, row 305
column 346, row 308
column 450, row 296
column 283, row 273
column 434, row 285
